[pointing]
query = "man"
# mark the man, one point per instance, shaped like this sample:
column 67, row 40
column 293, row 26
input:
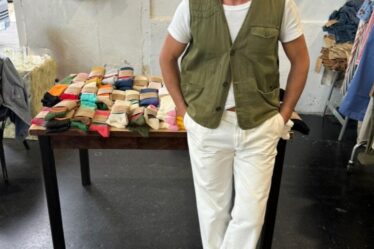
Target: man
column 228, row 93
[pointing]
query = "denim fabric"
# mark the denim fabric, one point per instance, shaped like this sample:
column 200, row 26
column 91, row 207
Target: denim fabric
column 356, row 101
column 365, row 11
column 346, row 27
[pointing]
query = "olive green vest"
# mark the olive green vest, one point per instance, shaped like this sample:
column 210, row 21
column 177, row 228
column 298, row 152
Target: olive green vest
column 212, row 62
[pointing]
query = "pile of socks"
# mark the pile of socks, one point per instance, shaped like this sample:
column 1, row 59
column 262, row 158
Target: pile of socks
column 118, row 116
column 88, row 94
column 149, row 96
column 99, row 124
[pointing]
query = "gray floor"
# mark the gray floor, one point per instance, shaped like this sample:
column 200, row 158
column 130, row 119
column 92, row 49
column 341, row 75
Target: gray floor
column 145, row 199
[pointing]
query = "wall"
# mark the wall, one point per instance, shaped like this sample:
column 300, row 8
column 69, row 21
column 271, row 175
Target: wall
column 82, row 33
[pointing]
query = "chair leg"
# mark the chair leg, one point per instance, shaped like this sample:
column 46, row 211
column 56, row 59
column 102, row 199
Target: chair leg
column 26, row 144
column 3, row 164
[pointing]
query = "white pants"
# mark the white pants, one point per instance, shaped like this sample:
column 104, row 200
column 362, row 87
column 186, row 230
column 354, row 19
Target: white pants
column 226, row 160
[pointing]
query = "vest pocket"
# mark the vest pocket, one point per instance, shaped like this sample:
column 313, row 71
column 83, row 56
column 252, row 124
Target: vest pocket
column 247, row 93
column 192, row 92
column 264, row 39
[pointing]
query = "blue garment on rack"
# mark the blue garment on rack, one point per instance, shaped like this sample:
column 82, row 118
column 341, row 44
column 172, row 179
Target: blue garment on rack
column 356, row 101
column 365, row 11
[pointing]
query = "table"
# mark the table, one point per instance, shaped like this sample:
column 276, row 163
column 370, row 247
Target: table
column 123, row 139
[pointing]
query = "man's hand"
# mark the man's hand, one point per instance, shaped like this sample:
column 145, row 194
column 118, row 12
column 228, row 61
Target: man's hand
column 297, row 53
column 170, row 53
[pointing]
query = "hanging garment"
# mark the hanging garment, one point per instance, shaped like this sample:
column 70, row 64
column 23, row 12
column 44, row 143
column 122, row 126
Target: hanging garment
column 365, row 36
column 367, row 157
column 355, row 103
column 14, row 96
column 352, row 66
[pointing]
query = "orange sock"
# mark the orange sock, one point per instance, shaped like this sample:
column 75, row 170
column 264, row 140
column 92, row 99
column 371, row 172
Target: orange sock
column 57, row 90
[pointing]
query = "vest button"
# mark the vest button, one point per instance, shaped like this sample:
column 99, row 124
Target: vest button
column 225, row 84
column 218, row 108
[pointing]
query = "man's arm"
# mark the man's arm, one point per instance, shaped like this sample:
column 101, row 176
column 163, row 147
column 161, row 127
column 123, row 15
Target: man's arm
column 297, row 53
column 170, row 53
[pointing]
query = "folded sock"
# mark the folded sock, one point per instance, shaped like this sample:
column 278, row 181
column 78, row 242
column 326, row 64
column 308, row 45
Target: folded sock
column 133, row 97
column 149, row 96
column 84, row 114
column 166, row 126
column 150, row 114
column 74, row 88
column 81, row 77
column 166, row 106
column 68, row 104
column 126, row 72
column 118, row 115
column 79, row 125
column 137, row 122
column 118, row 95
column 88, row 97
column 140, row 82
column 57, row 125
column 104, row 96
column 155, row 82
column 57, row 90
column 56, row 112
column 99, row 123
column 39, row 119
column 68, row 79
column 68, row 116
column 97, row 72
column 50, row 100
column 124, row 83
column 90, row 88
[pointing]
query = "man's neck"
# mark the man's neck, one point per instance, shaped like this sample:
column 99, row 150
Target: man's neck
column 234, row 2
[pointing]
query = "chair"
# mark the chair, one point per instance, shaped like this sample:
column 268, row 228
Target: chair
column 4, row 112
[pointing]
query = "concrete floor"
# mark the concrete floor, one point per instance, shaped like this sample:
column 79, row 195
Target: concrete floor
column 145, row 199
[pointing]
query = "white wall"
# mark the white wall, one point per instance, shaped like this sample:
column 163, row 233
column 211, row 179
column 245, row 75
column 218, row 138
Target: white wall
column 83, row 33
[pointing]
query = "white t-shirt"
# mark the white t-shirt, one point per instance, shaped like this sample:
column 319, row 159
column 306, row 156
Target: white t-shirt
column 180, row 30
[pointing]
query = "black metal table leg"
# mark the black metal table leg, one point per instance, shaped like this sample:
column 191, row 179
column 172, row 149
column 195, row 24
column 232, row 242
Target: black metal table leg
column 51, row 190
column 85, row 167
column 271, row 208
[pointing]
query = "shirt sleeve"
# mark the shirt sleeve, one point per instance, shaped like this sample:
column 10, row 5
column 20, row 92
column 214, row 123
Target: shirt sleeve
column 291, row 26
column 179, row 27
